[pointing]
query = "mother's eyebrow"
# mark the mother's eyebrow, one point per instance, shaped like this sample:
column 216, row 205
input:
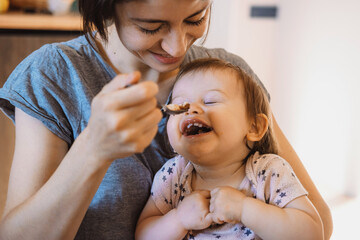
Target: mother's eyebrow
column 196, row 13
column 148, row 20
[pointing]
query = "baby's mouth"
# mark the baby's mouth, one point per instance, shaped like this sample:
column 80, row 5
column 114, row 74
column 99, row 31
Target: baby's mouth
column 194, row 127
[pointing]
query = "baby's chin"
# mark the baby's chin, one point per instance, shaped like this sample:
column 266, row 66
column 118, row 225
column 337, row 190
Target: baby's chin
column 197, row 156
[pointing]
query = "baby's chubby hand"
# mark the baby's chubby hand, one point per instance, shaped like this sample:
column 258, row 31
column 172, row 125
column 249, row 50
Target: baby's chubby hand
column 226, row 205
column 193, row 211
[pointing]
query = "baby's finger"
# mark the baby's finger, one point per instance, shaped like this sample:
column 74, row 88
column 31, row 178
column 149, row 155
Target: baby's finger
column 215, row 191
column 204, row 193
column 211, row 207
column 216, row 219
column 208, row 220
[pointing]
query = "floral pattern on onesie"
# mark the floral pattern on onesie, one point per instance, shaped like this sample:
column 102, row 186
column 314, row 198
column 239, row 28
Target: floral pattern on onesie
column 269, row 178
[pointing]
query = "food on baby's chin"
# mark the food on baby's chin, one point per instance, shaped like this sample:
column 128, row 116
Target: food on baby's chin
column 178, row 107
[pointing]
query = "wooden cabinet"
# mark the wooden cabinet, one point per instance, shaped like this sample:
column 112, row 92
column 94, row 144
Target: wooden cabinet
column 19, row 36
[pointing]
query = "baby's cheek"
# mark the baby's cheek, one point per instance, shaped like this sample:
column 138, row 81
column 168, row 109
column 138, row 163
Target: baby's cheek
column 173, row 131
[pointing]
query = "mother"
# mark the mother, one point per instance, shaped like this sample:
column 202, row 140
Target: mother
column 87, row 147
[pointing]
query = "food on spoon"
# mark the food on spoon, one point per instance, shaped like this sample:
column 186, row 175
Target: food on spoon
column 184, row 107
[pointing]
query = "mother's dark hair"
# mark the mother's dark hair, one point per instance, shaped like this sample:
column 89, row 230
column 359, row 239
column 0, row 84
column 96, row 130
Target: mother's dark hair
column 96, row 14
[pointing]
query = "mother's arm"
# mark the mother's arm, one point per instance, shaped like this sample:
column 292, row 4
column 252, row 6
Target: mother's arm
column 51, row 186
column 47, row 197
column 287, row 152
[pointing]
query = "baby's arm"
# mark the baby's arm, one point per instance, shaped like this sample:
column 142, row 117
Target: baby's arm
column 298, row 220
column 192, row 213
column 152, row 224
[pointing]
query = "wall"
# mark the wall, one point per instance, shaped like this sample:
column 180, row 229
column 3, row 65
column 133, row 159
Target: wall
column 308, row 59
column 251, row 38
column 318, row 45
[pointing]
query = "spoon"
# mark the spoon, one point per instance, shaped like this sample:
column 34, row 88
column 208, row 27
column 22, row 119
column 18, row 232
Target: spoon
column 171, row 109
column 174, row 109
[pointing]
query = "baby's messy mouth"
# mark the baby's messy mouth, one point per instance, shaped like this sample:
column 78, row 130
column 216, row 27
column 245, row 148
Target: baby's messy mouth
column 194, row 127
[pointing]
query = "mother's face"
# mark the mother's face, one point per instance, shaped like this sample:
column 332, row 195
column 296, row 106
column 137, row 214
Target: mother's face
column 160, row 32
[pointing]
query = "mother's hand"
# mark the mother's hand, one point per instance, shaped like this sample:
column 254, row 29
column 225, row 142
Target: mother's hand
column 123, row 120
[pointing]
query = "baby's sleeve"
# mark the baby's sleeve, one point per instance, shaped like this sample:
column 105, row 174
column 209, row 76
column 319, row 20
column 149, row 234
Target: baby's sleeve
column 163, row 190
column 275, row 181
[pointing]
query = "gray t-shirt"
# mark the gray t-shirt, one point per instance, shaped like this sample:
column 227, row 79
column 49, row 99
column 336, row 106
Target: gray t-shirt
column 56, row 85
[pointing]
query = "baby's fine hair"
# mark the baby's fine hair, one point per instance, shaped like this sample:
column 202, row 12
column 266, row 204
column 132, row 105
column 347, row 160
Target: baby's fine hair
column 257, row 101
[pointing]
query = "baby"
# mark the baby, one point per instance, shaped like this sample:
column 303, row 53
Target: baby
column 227, row 181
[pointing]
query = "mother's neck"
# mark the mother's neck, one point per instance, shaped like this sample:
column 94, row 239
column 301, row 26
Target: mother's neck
column 118, row 56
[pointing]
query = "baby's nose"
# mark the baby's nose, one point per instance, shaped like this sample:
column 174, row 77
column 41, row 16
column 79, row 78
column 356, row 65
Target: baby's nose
column 194, row 109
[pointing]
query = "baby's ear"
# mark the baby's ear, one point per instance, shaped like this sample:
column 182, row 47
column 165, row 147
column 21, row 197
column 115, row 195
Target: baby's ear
column 258, row 128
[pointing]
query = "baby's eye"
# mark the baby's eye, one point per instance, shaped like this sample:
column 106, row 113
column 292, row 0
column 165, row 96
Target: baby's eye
column 213, row 97
column 210, row 102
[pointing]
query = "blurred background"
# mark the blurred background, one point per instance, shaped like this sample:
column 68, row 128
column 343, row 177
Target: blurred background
column 305, row 52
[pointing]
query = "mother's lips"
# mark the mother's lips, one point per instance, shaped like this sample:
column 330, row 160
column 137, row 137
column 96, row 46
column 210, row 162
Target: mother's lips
column 165, row 58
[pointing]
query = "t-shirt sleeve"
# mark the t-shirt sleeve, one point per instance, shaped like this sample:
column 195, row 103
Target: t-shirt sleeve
column 273, row 180
column 166, row 185
column 37, row 87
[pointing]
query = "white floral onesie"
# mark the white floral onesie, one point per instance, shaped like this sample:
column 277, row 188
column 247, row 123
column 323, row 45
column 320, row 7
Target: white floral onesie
column 269, row 178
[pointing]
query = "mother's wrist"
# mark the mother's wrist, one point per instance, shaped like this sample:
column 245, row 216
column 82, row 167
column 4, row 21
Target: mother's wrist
column 84, row 149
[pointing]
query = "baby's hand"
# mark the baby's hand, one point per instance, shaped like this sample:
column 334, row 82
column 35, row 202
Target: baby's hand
column 226, row 205
column 193, row 211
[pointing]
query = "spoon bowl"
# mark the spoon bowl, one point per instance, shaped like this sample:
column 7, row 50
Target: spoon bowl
column 174, row 109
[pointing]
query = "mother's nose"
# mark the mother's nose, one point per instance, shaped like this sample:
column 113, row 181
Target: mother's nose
column 174, row 43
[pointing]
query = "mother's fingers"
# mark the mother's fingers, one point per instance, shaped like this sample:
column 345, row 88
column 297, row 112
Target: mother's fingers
column 148, row 121
column 120, row 81
column 134, row 130
column 136, row 94
column 142, row 131
column 146, row 139
column 128, row 116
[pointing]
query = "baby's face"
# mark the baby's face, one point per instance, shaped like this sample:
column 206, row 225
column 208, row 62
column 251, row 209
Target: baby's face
column 216, row 124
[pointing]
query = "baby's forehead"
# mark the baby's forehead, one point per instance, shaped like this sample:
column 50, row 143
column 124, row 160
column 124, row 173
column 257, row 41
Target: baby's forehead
column 217, row 73
column 200, row 81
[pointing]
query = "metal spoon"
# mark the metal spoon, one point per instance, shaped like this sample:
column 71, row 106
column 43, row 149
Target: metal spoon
column 174, row 109
column 171, row 109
